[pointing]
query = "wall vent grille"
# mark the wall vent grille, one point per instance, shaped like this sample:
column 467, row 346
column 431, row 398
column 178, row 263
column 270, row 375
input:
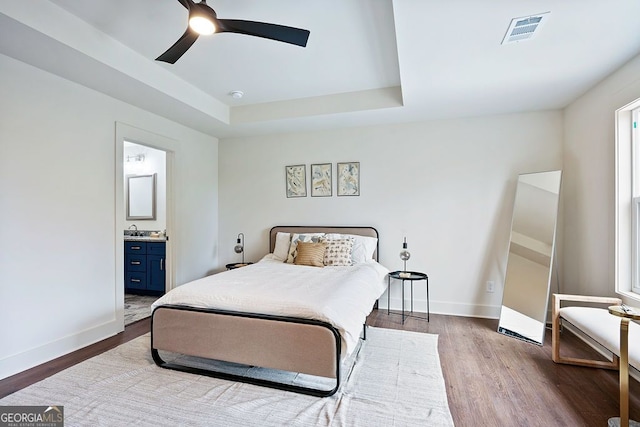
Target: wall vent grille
column 524, row 28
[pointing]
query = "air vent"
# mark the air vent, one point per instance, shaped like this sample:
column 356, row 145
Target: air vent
column 525, row 28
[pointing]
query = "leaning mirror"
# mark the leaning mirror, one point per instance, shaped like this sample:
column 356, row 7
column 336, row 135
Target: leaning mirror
column 530, row 259
column 141, row 197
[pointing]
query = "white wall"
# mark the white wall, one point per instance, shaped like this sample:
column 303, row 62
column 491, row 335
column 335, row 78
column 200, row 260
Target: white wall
column 448, row 186
column 588, row 198
column 59, row 289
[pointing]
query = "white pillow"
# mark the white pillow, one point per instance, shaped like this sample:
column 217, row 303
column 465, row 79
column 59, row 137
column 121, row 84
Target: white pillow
column 281, row 250
column 363, row 246
column 309, row 237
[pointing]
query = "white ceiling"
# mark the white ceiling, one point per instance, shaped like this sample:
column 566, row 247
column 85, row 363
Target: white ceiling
column 366, row 62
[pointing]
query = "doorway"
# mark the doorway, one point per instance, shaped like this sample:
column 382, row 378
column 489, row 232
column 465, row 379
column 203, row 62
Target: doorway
column 141, row 161
column 141, row 153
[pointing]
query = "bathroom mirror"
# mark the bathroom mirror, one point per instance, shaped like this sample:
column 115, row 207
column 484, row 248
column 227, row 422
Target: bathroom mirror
column 530, row 259
column 141, row 197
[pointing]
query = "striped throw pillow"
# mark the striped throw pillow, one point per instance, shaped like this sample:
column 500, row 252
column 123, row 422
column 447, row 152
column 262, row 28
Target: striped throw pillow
column 310, row 254
column 295, row 238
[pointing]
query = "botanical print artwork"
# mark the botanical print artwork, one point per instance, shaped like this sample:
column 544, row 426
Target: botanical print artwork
column 296, row 181
column 321, row 180
column 349, row 179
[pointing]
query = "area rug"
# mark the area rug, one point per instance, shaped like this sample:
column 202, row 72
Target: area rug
column 396, row 381
column 137, row 307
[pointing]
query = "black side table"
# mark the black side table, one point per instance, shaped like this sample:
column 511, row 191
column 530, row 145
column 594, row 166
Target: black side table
column 411, row 276
column 235, row 265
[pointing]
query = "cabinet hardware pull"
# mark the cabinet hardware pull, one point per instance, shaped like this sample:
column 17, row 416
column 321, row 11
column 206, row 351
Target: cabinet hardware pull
column 135, row 262
column 135, row 280
column 135, row 247
column 161, row 264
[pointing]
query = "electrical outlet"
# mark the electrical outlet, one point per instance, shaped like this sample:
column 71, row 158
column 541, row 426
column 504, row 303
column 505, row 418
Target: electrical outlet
column 491, row 286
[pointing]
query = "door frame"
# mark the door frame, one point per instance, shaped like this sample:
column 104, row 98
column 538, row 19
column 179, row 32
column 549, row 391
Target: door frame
column 129, row 133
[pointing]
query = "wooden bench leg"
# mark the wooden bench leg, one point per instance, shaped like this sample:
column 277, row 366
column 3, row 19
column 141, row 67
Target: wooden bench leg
column 556, row 324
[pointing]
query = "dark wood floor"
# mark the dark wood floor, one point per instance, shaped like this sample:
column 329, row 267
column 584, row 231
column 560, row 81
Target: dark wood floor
column 492, row 380
column 16, row 382
column 495, row 380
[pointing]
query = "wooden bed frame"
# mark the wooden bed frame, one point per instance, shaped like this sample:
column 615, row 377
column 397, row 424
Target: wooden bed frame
column 284, row 343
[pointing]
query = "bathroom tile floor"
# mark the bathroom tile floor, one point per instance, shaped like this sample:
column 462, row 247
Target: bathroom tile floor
column 137, row 307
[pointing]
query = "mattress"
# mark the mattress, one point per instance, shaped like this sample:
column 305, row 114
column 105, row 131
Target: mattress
column 340, row 296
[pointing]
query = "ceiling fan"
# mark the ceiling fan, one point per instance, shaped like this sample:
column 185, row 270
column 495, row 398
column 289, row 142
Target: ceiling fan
column 203, row 20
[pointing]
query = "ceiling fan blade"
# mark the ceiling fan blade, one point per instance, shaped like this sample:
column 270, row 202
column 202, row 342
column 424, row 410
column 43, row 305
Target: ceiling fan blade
column 296, row 36
column 186, row 3
column 179, row 48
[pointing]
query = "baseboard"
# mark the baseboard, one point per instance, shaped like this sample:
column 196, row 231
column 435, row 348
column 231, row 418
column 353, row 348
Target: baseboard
column 446, row 308
column 20, row 362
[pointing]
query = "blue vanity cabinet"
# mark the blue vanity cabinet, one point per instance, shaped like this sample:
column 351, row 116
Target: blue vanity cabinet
column 144, row 271
column 156, row 270
column 135, row 266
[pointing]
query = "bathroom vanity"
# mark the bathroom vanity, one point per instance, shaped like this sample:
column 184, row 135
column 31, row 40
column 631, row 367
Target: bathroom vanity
column 144, row 265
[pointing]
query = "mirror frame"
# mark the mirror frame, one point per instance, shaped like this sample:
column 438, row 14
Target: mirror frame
column 141, row 190
column 512, row 322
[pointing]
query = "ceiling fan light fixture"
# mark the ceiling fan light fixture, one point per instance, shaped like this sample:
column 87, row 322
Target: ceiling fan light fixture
column 202, row 25
column 204, row 21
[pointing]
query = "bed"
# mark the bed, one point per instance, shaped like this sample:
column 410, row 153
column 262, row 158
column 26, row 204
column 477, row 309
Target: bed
column 275, row 314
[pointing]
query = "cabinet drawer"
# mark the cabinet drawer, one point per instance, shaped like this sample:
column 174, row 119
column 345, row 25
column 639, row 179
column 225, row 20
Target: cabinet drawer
column 135, row 280
column 135, row 248
column 156, row 248
column 135, row 263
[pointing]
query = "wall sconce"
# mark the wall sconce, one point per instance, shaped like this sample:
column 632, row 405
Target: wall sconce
column 405, row 254
column 136, row 158
column 239, row 248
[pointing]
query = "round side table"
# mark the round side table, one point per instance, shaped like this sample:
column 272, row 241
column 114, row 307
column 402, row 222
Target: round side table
column 235, row 265
column 411, row 276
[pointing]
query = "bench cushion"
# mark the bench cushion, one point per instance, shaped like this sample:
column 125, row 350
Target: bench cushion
column 604, row 328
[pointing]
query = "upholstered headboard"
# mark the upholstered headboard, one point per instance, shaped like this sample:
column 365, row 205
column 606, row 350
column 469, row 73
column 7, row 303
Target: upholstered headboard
column 301, row 229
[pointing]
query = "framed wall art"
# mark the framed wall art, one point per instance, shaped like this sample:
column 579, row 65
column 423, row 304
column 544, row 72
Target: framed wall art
column 349, row 179
column 296, row 176
column 321, row 180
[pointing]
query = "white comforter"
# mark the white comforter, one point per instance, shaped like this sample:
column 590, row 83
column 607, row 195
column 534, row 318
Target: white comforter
column 341, row 296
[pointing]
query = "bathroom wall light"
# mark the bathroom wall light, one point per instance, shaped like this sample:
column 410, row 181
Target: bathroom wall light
column 136, row 158
column 239, row 248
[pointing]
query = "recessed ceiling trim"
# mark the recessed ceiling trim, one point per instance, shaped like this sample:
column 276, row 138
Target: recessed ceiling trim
column 388, row 97
column 525, row 28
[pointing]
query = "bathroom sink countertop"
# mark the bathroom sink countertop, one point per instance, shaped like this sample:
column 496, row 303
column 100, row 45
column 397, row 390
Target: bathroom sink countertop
column 145, row 239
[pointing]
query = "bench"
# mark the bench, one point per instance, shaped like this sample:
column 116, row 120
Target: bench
column 598, row 324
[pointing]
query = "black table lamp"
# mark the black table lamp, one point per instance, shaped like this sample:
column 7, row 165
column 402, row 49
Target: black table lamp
column 239, row 248
column 405, row 254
